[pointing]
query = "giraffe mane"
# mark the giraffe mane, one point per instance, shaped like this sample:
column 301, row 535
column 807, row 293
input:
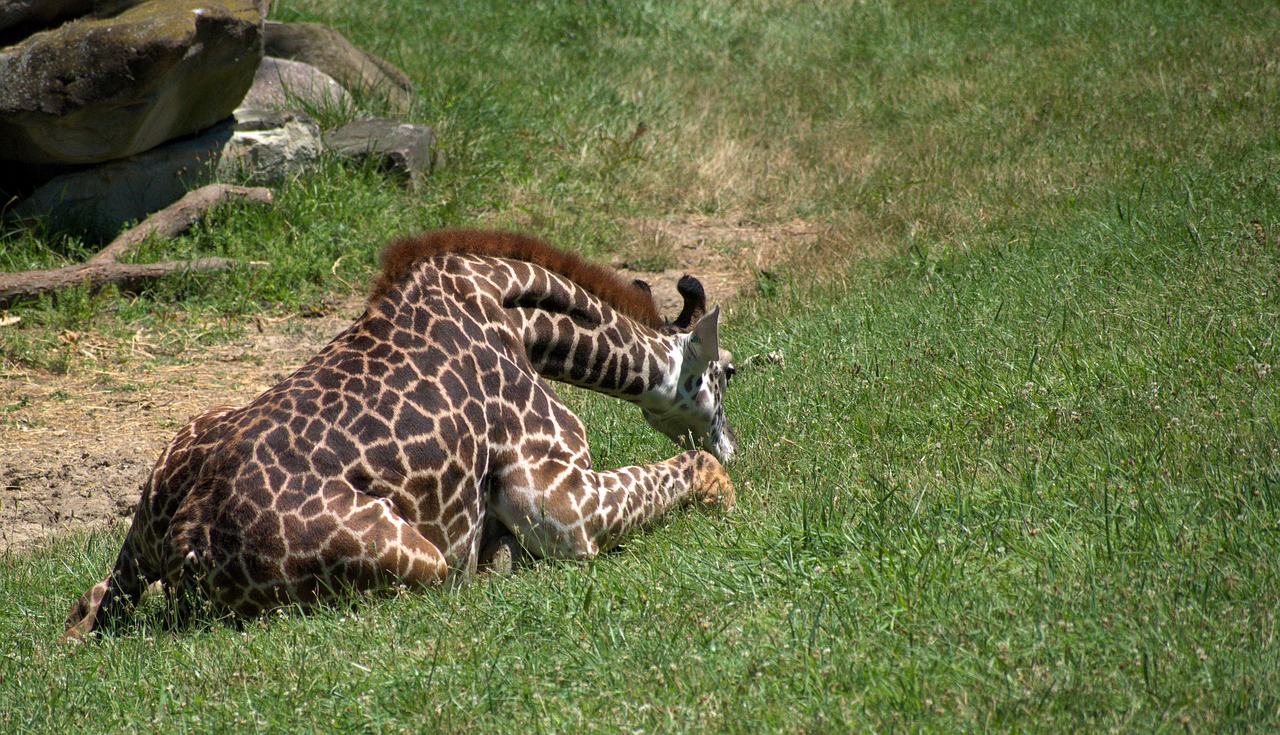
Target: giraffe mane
column 401, row 255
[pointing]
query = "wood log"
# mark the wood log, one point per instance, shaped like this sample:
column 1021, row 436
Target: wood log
column 128, row 276
column 178, row 217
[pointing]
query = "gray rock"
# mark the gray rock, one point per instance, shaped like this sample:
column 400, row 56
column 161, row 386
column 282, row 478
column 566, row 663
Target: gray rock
column 398, row 148
column 330, row 52
column 269, row 146
column 97, row 201
column 93, row 90
column 256, row 145
column 281, row 84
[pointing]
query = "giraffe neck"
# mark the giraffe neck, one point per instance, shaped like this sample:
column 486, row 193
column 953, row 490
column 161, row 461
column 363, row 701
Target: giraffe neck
column 619, row 358
column 572, row 335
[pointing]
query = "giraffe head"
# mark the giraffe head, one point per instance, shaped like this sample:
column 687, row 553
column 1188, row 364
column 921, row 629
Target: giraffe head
column 693, row 413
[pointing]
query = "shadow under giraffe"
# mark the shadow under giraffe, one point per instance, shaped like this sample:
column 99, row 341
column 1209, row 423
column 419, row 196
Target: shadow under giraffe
column 424, row 438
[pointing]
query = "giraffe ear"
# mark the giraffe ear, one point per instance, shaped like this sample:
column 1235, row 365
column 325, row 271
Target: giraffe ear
column 704, row 343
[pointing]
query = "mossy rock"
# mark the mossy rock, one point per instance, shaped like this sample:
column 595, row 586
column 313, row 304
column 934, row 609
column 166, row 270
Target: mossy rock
column 97, row 89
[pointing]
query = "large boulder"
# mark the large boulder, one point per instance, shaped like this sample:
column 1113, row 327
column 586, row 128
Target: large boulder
column 98, row 89
column 19, row 17
column 330, row 52
column 23, row 15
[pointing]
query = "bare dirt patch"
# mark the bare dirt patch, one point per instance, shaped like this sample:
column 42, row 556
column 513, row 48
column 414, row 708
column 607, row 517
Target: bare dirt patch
column 75, row 448
column 726, row 256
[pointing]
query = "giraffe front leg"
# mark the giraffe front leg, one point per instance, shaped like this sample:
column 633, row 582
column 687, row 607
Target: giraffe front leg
column 562, row 509
column 712, row 486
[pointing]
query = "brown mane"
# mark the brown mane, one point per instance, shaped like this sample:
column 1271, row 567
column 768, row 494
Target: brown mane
column 400, row 256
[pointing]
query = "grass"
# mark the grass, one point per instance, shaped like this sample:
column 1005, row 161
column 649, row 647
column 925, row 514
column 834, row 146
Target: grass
column 1018, row 472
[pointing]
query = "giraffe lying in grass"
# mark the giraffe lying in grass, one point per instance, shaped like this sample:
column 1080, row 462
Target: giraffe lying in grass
column 424, row 437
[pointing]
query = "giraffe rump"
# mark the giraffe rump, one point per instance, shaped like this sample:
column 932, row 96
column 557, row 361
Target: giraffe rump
column 629, row 297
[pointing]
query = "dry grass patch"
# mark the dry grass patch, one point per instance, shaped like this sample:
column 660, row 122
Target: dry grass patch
column 711, row 168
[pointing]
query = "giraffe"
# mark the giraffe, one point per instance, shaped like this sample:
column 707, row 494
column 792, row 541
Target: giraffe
column 425, row 436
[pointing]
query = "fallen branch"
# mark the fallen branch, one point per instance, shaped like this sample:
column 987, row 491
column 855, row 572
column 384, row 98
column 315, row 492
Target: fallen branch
column 128, row 276
column 104, row 269
column 178, row 217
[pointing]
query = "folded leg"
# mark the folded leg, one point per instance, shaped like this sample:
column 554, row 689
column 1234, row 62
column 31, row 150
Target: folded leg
column 559, row 508
column 356, row 542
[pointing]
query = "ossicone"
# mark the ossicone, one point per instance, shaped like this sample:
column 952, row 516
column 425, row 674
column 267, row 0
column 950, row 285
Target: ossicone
column 695, row 303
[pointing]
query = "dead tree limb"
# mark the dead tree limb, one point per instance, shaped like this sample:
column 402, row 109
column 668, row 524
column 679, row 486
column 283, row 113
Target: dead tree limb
column 178, row 217
column 95, row 275
column 104, row 269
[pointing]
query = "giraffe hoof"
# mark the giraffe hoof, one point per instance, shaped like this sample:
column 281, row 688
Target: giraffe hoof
column 73, row 636
column 714, row 488
column 501, row 556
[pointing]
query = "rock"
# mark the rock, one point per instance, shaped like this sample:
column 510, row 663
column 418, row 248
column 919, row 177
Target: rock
column 269, row 146
column 281, row 84
column 93, row 90
column 330, row 52
column 98, row 201
column 398, row 148
column 257, row 145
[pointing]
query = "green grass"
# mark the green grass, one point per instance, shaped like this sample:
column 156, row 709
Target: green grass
column 1019, row 472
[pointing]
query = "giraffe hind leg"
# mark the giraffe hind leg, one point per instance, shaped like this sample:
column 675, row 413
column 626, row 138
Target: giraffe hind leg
column 360, row 544
column 103, row 605
column 501, row 554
